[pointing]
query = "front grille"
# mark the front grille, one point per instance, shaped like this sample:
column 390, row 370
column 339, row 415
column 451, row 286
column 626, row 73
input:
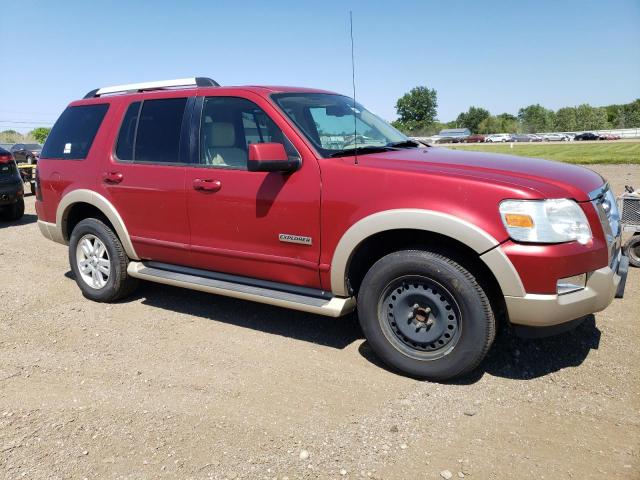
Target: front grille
column 630, row 210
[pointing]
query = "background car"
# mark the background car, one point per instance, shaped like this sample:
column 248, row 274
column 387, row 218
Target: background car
column 535, row 138
column 520, row 137
column 498, row 137
column 587, row 136
column 11, row 188
column 609, row 136
column 555, row 137
column 477, row 138
column 26, row 152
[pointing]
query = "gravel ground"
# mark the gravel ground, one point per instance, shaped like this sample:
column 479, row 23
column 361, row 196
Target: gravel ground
column 178, row 384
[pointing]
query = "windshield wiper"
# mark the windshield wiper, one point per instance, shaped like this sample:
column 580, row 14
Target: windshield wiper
column 404, row 144
column 347, row 152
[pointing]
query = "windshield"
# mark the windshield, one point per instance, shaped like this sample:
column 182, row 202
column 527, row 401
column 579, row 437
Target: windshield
column 334, row 125
column 33, row 146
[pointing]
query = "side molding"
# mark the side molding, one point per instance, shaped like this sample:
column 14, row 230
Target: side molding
column 102, row 204
column 431, row 221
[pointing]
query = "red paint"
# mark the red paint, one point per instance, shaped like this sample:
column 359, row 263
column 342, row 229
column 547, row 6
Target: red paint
column 229, row 220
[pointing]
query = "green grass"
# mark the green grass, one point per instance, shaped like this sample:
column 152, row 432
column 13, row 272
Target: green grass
column 627, row 152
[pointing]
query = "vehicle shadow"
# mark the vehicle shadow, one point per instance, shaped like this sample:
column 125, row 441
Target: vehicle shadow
column 517, row 358
column 510, row 356
column 25, row 220
column 331, row 332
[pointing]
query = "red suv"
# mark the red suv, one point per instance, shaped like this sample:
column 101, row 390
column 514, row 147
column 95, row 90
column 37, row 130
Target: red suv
column 304, row 199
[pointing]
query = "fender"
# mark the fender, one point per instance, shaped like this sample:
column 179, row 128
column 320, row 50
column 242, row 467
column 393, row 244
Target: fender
column 102, row 204
column 431, row 221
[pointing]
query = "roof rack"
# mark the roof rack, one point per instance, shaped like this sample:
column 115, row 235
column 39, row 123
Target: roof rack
column 158, row 85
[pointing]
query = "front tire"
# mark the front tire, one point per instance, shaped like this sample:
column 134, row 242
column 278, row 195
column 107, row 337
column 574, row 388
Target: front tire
column 98, row 262
column 425, row 315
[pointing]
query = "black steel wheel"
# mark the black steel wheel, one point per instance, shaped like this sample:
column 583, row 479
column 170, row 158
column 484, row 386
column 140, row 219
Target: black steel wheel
column 425, row 315
column 423, row 318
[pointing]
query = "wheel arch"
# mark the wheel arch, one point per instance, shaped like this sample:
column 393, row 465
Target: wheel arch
column 79, row 204
column 376, row 235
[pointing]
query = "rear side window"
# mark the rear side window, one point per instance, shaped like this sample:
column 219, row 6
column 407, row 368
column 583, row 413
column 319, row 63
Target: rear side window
column 150, row 131
column 73, row 133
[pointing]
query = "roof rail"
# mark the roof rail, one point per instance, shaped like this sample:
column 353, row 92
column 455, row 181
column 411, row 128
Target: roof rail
column 158, row 85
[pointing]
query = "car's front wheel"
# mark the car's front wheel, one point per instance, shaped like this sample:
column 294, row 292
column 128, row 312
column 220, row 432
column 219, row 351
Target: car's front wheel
column 425, row 315
column 99, row 262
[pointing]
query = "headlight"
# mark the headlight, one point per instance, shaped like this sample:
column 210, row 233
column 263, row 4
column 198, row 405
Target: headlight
column 545, row 221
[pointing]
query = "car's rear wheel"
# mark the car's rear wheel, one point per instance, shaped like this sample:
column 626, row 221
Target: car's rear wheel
column 99, row 262
column 632, row 250
column 425, row 315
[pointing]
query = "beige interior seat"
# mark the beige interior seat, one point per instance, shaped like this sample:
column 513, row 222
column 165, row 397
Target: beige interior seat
column 220, row 145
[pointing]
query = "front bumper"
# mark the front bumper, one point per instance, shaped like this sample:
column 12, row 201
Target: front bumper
column 602, row 287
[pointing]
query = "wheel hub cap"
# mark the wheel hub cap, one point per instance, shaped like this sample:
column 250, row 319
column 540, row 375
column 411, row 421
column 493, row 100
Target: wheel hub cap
column 421, row 313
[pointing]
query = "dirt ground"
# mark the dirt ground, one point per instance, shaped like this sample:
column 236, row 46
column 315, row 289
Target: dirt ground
column 173, row 383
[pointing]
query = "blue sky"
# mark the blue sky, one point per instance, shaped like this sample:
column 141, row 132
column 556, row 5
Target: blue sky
column 497, row 54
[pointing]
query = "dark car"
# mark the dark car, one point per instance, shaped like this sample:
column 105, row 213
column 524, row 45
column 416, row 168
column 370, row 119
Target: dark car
column 11, row 188
column 26, row 152
column 587, row 136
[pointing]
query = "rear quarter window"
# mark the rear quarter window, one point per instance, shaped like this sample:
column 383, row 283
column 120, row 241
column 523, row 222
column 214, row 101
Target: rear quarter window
column 73, row 133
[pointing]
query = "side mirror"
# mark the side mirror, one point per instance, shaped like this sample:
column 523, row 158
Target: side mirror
column 270, row 157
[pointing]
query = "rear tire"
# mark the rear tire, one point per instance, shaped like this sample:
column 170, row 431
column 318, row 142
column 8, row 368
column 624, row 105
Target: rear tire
column 632, row 250
column 99, row 262
column 425, row 315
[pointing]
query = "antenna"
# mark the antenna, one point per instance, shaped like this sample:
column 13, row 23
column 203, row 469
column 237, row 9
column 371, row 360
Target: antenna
column 353, row 81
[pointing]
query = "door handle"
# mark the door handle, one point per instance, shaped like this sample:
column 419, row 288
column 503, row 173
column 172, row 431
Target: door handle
column 112, row 178
column 207, row 185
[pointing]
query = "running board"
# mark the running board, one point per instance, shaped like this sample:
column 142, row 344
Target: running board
column 287, row 296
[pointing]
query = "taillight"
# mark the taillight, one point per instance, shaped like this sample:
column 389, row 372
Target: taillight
column 37, row 182
column 5, row 158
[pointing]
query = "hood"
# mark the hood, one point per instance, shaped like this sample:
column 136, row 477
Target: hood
column 548, row 178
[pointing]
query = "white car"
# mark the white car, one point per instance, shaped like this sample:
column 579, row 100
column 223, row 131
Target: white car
column 556, row 137
column 498, row 137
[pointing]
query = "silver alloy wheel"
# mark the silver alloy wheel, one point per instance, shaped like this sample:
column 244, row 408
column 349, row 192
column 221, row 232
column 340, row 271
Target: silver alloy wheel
column 93, row 261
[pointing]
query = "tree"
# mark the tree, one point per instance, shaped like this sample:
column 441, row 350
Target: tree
column 417, row 110
column 566, row 119
column 40, row 134
column 590, row 118
column 536, row 118
column 472, row 118
column 10, row 136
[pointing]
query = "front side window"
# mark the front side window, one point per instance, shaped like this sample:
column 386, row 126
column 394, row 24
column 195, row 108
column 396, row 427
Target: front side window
column 150, row 131
column 73, row 133
column 229, row 125
column 335, row 125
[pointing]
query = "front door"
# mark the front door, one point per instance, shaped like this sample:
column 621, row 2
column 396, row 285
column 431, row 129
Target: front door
column 255, row 224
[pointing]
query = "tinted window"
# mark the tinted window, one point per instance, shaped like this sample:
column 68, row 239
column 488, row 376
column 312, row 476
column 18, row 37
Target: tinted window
column 158, row 134
column 229, row 125
column 73, row 133
column 124, row 149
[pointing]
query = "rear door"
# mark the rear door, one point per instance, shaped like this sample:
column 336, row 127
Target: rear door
column 255, row 224
column 146, row 177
